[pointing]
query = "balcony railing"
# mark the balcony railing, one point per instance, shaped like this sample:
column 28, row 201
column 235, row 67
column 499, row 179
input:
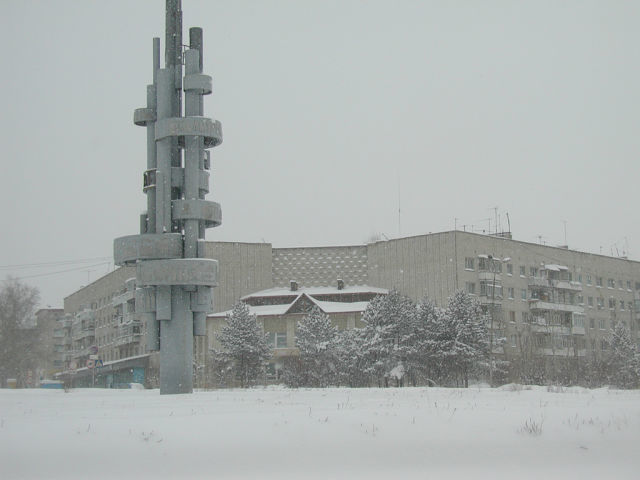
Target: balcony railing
column 557, row 307
column 85, row 332
column 489, row 276
column 123, row 297
column 540, row 282
column 566, row 285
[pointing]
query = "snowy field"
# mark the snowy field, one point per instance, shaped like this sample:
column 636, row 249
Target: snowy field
column 332, row 433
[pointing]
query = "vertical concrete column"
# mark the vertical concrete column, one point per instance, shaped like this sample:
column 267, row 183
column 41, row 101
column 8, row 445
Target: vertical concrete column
column 193, row 154
column 176, row 346
column 163, row 150
column 151, row 141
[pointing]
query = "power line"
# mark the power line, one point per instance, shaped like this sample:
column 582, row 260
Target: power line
column 64, row 271
column 52, row 264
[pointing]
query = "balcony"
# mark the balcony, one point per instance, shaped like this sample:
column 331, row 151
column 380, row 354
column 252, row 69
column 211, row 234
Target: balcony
column 128, row 319
column 566, row 285
column 85, row 315
column 556, row 307
column 539, row 282
column 129, row 333
column 79, row 334
column 487, row 300
column 123, row 298
column 489, row 276
column 541, row 327
column 577, row 330
column 127, row 339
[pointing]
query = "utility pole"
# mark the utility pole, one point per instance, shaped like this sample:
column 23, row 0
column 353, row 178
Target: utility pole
column 174, row 280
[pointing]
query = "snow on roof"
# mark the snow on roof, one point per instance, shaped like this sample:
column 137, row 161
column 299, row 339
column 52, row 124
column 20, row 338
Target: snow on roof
column 260, row 310
column 555, row 268
column 283, row 309
column 341, row 307
column 284, row 291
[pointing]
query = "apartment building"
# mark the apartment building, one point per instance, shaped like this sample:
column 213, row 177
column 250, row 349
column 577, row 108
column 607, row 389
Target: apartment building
column 549, row 301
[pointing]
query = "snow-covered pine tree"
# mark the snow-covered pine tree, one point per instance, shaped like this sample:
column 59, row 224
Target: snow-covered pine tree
column 244, row 342
column 431, row 342
column 471, row 346
column 622, row 360
column 315, row 339
column 350, row 359
column 389, row 337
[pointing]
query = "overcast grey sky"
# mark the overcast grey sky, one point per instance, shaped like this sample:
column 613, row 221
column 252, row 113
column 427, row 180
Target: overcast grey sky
column 333, row 113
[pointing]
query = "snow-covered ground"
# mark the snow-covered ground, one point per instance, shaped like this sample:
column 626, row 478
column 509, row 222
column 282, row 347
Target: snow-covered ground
column 332, row 433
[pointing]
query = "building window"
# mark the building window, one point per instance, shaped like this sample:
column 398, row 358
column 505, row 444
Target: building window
column 602, row 324
column 612, row 303
column 580, row 299
column 489, row 265
column 533, row 271
column 487, row 290
column 621, row 304
column 592, row 323
column 509, row 269
column 510, row 292
column 590, row 302
column 629, row 285
column 598, row 281
column 277, row 339
column 611, row 283
column 603, row 345
column 589, row 282
column 600, row 303
column 512, row 316
column 470, row 287
column 523, row 273
column 514, row 340
column 525, row 317
column 523, row 294
column 468, row 263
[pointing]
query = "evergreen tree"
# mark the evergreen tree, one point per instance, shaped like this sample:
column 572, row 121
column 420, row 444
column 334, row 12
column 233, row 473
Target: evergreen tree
column 470, row 347
column 429, row 358
column 315, row 339
column 245, row 344
column 389, row 337
column 350, row 359
column 622, row 360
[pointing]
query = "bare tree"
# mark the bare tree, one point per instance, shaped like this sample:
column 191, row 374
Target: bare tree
column 20, row 349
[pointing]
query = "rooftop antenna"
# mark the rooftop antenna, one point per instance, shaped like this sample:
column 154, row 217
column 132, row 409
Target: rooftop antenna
column 508, row 223
column 565, row 233
column 495, row 211
column 399, row 225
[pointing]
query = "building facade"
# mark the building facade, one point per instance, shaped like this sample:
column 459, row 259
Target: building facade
column 278, row 311
column 546, row 301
